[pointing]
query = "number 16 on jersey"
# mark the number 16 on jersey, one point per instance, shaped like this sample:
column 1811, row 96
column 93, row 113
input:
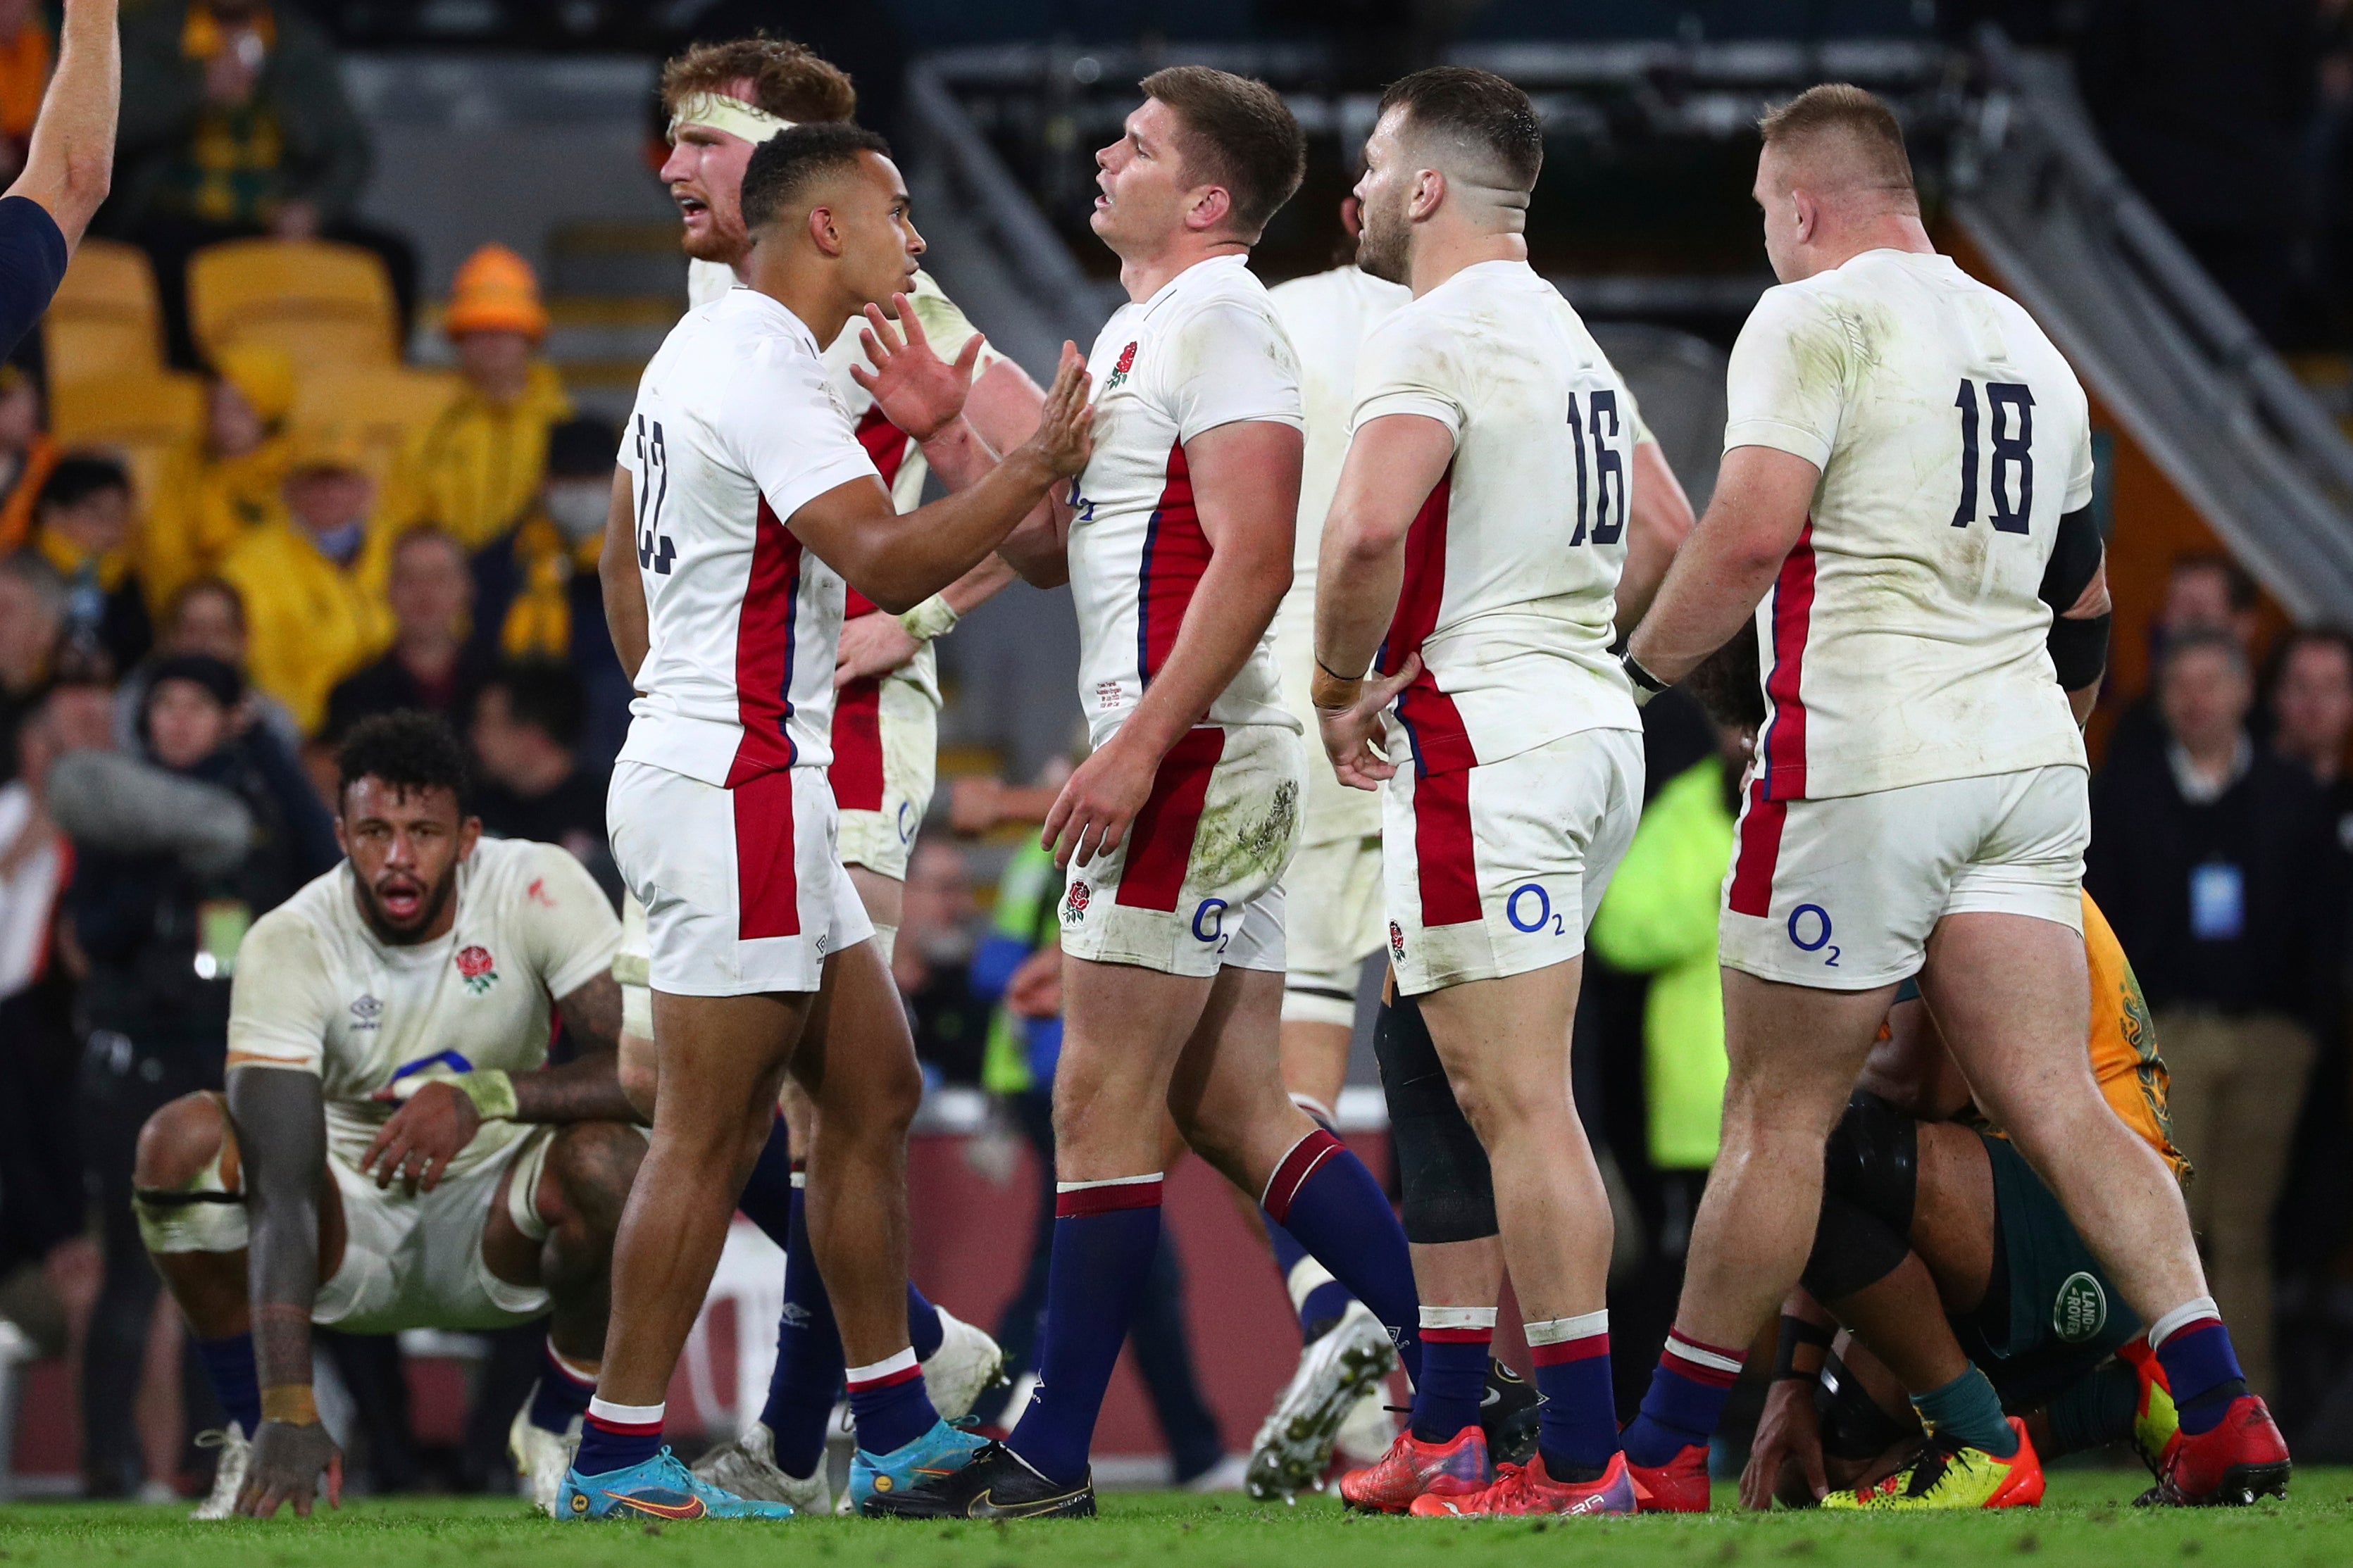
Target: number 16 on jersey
column 654, row 551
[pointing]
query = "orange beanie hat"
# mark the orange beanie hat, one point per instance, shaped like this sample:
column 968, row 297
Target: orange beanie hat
column 495, row 291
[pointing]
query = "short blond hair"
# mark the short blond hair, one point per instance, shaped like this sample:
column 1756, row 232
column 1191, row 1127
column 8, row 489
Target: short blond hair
column 1865, row 130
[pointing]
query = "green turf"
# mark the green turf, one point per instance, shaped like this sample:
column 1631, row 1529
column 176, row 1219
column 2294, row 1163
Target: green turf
column 2087, row 1523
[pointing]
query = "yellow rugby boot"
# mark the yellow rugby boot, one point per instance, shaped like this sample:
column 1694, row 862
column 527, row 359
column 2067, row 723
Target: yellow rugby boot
column 1941, row 1477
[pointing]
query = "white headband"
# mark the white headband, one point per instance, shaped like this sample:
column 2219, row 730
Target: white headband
column 732, row 115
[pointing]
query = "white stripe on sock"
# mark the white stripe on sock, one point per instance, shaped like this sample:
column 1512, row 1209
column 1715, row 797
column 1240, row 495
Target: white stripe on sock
column 1314, row 1107
column 800, row 1181
column 883, row 1368
column 1307, row 1276
column 1458, row 1316
column 626, row 1414
column 1107, row 1182
column 2188, row 1312
column 1557, row 1331
column 572, row 1369
column 1700, row 1355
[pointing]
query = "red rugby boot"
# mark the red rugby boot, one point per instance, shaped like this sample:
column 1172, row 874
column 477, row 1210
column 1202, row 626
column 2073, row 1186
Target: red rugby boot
column 1412, row 1469
column 2237, row 1460
column 1524, row 1490
column 1679, row 1486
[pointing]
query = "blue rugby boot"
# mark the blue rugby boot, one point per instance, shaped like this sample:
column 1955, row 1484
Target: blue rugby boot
column 941, row 1451
column 662, row 1488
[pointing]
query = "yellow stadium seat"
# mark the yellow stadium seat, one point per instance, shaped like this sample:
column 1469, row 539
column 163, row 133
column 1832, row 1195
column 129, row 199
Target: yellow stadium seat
column 324, row 304
column 106, row 319
column 385, row 406
column 139, row 418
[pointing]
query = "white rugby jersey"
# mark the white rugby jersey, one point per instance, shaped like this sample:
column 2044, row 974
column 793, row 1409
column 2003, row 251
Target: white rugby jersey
column 1903, row 642
column 1511, row 567
column 317, row 991
column 736, row 428
column 1205, row 351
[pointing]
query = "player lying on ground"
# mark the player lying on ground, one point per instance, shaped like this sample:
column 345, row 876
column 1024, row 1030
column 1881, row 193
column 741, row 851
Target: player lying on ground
column 1951, row 1264
column 393, row 1151
column 750, row 504
column 1905, row 506
column 1334, row 885
column 724, row 101
column 1477, row 539
column 1176, row 830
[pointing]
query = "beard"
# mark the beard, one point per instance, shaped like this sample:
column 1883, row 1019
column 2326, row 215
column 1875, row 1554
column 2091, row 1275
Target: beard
column 717, row 242
column 1383, row 248
column 402, row 933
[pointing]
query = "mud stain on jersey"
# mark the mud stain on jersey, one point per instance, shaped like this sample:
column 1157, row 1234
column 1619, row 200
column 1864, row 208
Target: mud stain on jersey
column 1246, row 841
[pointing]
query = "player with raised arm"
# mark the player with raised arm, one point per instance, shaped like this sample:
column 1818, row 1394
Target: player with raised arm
column 752, row 503
column 724, row 101
column 393, row 1151
column 1905, row 507
column 1176, row 830
column 1477, row 540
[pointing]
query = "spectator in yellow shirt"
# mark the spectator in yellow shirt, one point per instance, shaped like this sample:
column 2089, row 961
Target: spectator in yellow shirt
column 212, row 493
column 82, row 527
column 475, row 471
column 313, row 579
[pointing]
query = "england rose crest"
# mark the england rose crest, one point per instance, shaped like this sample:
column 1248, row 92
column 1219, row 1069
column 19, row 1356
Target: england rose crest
column 1396, row 941
column 1119, row 372
column 479, row 968
column 1074, row 902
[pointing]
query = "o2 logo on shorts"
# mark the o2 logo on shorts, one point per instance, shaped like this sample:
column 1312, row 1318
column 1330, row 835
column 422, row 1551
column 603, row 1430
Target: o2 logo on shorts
column 1397, row 941
column 1812, row 921
column 1074, row 903
column 907, row 822
column 1529, row 896
column 1209, row 922
column 2080, row 1310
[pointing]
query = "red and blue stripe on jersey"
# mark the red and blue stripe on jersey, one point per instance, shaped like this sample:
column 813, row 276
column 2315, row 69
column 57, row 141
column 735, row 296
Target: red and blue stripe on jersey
column 857, row 771
column 1781, row 778
column 1444, row 859
column 1175, row 554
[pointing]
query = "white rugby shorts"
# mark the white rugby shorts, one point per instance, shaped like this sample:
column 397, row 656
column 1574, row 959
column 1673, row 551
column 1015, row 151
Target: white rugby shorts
column 743, row 888
column 417, row 1262
column 1841, row 894
column 886, row 741
column 1496, row 869
column 1196, row 885
column 1336, row 920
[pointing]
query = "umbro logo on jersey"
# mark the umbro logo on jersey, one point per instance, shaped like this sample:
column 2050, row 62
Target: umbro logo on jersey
column 367, row 1012
column 479, row 968
column 1119, row 372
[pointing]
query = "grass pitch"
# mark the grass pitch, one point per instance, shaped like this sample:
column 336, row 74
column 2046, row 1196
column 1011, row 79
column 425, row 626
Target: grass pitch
column 2087, row 1521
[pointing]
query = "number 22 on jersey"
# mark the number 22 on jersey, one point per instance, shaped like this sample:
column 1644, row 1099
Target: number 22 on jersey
column 654, row 551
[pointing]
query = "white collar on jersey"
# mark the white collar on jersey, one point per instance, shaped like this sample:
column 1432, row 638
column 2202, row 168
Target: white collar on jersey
column 720, row 113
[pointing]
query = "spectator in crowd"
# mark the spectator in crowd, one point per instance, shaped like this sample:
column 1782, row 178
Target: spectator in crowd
column 525, row 735
column 32, row 618
column 235, row 125
column 176, row 853
column 82, row 527
column 475, row 470
column 313, row 591
column 206, row 616
column 216, row 490
column 536, row 592
column 2312, row 716
column 27, row 452
column 24, row 57
column 2204, row 591
column 933, row 964
column 2208, row 120
column 431, row 664
column 2213, row 860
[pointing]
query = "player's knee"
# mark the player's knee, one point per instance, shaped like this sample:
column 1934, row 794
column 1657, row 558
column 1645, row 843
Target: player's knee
column 1853, row 1251
column 1873, row 1160
column 179, row 1142
column 593, row 1164
column 1448, row 1187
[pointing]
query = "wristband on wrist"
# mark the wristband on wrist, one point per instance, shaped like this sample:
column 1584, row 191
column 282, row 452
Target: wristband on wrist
column 1799, row 1335
column 1643, row 678
column 492, row 1091
column 292, row 1403
column 935, row 617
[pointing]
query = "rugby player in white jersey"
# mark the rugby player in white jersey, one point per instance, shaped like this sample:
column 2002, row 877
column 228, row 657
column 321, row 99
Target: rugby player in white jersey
column 1333, row 891
column 1904, row 504
column 1477, row 541
column 752, row 502
column 724, row 100
column 1176, row 544
column 393, row 1152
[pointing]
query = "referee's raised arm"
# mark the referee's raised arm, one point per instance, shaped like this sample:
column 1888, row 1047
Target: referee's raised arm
column 67, row 169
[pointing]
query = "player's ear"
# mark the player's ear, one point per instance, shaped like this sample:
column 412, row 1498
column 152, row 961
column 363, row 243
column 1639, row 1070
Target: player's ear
column 470, row 833
column 1429, row 192
column 1213, row 208
column 823, row 232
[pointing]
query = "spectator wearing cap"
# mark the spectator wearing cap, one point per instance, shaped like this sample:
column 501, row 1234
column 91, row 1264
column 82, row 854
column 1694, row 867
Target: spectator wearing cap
column 32, row 619
column 475, row 470
column 536, row 592
column 313, row 581
column 232, row 479
column 81, row 526
column 178, row 849
column 526, row 736
column 27, row 455
column 432, row 664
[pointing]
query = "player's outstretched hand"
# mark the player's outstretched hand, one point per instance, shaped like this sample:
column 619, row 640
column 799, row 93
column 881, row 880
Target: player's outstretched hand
column 1096, row 807
column 1065, row 437
column 288, row 1459
column 423, row 1136
column 1352, row 735
column 1788, row 1430
column 872, row 644
column 916, row 390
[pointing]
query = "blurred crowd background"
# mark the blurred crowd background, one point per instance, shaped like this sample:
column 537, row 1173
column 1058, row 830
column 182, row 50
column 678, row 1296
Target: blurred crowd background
column 323, row 421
